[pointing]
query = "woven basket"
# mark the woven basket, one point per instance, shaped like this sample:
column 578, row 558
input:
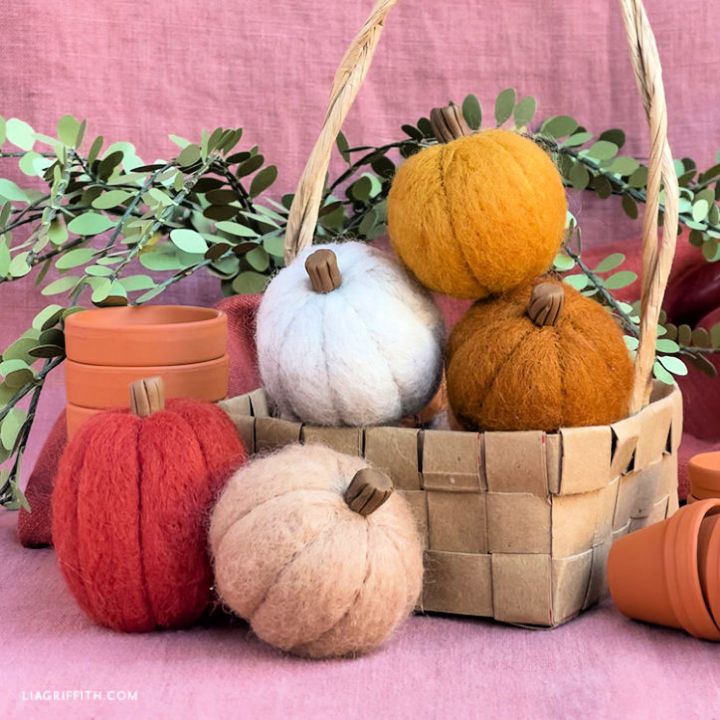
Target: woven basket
column 518, row 525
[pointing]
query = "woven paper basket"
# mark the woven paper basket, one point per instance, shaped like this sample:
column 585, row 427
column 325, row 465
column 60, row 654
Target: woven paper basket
column 518, row 525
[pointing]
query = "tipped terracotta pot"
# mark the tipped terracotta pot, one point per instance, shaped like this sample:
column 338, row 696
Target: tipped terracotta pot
column 110, row 348
column 654, row 573
column 146, row 335
column 704, row 475
column 691, row 499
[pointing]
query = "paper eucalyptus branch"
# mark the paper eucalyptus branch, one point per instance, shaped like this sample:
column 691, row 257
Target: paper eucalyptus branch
column 108, row 229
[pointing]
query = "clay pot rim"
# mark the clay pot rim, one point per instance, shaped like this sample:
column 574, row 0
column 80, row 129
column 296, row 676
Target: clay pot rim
column 92, row 321
column 699, row 473
column 147, row 369
column 683, row 576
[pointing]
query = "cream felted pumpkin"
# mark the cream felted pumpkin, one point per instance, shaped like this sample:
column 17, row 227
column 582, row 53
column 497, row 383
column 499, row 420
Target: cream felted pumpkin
column 313, row 549
column 346, row 337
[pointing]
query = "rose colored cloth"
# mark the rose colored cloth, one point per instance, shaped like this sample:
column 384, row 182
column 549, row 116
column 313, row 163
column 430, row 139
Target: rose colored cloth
column 600, row 666
column 241, row 311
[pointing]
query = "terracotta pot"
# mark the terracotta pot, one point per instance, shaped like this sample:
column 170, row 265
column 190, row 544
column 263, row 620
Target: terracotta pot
column 148, row 335
column 654, row 573
column 110, row 348
column 704, row 475
column 103, row 386
column 691, row 499
column 709, row 563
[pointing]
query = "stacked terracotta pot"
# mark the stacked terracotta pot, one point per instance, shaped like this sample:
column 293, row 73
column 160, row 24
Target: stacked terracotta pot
column 669, row 573
column 704, row 477
column 110, row 348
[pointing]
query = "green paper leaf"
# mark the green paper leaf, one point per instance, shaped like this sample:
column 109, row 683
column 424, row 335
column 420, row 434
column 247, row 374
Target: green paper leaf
column 563, row 262
column 57, row 232
column 524, row 111
column 629, row 206
column 559, row 126
column 263, row 180
column 624, row 165
column 614, row 135
column 666, row 346
column 11, row 427
column 233, row 228
column 133, row 283
column 620, row 280
column 275, row 245
column 48, row 317
column 75, row 258
column 577, row 139
column 472, row 112
column 19, row 266
column 47, row 350
column 249, row 166
column 189, row 156
column 504, row 105
column 110, row 199
column 579, row 176
column 90, row 223
column 20, row 134
column 631, row 342
column 61, row 285
column 343, row 146
column 258, row 259
column 5, row 258
column 699, row 211
column 34, row 164
column 189, row 241
column 579, row 281
column 160, row 259
column 610, row 263
column 16, row 373
column 249, row 283
column 10, row 191
column 662, row 374
column 673, row 364
column 602, row 150
column 68, row 131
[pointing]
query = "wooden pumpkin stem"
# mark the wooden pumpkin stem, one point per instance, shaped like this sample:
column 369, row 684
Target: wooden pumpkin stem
column 323, row 271
column 546, row 303
column 448, row 123
column 147, row 396
column 368, row 490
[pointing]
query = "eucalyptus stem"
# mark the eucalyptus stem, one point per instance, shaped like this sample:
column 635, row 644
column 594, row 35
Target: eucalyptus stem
column 609, row 300
column 48, row 367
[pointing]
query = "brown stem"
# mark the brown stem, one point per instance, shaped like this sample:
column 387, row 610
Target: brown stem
column 368, row 490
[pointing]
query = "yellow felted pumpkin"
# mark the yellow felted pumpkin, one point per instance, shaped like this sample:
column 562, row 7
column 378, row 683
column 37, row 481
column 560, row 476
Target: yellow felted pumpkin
column 478, row 215
column 539, row 358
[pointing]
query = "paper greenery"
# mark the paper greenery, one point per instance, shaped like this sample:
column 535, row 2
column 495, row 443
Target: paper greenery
column 115, row 230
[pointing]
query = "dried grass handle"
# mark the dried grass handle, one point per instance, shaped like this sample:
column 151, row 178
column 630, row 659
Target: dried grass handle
column 656, row 260
column 348, row 79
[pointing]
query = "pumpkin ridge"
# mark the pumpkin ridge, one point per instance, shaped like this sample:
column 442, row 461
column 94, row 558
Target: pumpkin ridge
column 501, row 366
column 329, row 527
column 443, row 188
column 377, row 347
column 143, row 578
column 240, row 518
column 353, row 602
column 77, row 568
column 561, row 364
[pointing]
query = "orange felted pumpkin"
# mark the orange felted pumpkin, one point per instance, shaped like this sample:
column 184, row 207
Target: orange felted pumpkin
column 539, row 358
column 130, row 508
column 479, row 214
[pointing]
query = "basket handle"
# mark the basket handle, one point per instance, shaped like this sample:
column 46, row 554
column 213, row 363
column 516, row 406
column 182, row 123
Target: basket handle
column 657, row 256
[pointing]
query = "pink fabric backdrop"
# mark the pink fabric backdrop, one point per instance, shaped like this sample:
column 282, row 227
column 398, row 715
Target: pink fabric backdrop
column 140, row 70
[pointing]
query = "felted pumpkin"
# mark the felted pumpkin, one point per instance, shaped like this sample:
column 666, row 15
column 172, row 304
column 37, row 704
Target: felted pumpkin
column 311, row 547
column 539, row 358
column 346, row 337
column 130, row 507
column 476, row 214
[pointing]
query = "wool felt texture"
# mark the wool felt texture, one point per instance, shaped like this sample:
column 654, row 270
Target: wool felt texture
column 35, row 527
column 367, row 353
column 506, row 373
column 130, row 510
column 479, row 215
column 309, row 574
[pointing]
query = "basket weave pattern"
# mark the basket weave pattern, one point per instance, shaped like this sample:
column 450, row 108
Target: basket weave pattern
column 517, row 526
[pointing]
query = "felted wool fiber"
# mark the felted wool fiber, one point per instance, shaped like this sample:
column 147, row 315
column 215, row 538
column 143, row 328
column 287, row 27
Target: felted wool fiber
column 506, row 373
column 309, row 574
column 367, row 353
column 479, row 215
column 130, row 509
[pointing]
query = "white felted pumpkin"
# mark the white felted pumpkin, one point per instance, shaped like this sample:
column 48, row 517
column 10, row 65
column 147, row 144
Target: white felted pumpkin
column 350, row 340
column 313, row 549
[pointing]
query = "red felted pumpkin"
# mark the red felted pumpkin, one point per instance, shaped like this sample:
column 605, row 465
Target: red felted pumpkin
column 130, row 509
